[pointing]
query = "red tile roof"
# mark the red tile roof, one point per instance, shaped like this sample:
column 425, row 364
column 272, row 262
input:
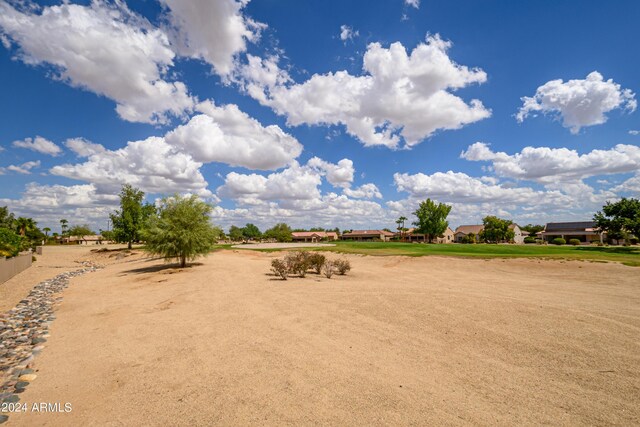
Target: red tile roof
column 369, row 233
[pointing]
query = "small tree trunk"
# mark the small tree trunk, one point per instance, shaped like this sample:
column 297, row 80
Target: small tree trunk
column 129, row 245
column 183, row 261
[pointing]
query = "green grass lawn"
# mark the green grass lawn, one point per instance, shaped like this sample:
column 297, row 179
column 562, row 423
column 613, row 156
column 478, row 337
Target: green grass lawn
column 625, row 255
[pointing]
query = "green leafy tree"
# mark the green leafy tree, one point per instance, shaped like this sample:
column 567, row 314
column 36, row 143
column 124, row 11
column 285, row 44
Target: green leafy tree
column 10, row 243
column 251, row 232
column 218, row 233
column 620, row 218
column 236, row 233
column 7, row 219
column 108, row 235
column 46, row 232
column 34, row 237
column 469, row 238
column 280, row 232
column 432, row 219
column 532, row 229
column 29, row 232
column 128, row 222
column 181, row 229
column 496, row 230
column 81, row 231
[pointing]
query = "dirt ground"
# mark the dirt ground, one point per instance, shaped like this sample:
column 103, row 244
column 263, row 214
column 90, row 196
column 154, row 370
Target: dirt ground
column 398, row 341
column 55, row 260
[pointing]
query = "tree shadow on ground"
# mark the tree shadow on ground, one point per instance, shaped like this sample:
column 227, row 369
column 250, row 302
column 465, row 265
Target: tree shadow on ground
column 156, row 268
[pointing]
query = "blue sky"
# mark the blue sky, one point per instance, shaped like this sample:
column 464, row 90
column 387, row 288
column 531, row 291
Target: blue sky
column 334, row 113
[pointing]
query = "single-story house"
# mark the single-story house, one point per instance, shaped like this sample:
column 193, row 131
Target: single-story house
column 412, row 236
column 518, row 237
column 585, row 231
column 447, row 237
column 464, row 230
column 313, row 236
column 362, row 235
column 96, row 239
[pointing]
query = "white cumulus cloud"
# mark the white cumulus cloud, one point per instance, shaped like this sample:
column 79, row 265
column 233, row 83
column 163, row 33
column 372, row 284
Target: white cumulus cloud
column 365, row 191
column 24, row 169
column 214, row 31
column 459, row 187
column 227, row 135
column 105, row 49
column 579, row 103
column 83, row 147
column 338, row 175
column 295, row 182
column 151, row 165
column 401, row 97
column 40, row 145
column 80, row 204
column 549, row 165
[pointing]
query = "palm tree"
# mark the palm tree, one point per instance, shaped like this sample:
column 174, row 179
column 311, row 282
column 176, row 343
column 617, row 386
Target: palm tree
column 46, row 231
column 25, row 224
column 400, row 221
column 63, row 225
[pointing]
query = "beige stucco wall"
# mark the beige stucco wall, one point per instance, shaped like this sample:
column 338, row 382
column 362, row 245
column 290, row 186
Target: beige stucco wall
column 9, row 267
column 447, row 237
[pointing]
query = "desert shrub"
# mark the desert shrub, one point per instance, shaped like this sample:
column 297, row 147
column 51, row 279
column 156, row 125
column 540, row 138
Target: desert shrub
column 317, row 261
column 574, row 242
column 328, row 269
column 279, row 268
column 529, row 239
column 559, row 241
column 298, row 262
column 342, row 266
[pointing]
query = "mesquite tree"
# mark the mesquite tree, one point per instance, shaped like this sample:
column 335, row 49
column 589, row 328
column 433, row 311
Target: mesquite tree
column 181, row 229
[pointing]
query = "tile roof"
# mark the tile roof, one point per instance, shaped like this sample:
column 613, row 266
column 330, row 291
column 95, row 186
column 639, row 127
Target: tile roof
column 466, row 229
column 368, row 233
column 314, row 233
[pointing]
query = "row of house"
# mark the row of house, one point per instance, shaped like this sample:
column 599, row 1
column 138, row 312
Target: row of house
column 585, row 231
column 95, row 239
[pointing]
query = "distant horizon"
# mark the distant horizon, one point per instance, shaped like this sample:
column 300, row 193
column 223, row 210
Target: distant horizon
column 335, row 114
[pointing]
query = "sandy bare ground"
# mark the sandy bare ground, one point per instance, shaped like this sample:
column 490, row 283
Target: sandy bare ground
column 399, row 341
column 55, row 260
column 281, row 245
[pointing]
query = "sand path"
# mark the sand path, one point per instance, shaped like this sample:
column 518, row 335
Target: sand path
column 399, row 341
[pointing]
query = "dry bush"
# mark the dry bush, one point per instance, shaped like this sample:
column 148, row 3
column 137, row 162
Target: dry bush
column 317, row 261
column 328, row 269
column 298, row 262
column 342, row 266
column 279, row 268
